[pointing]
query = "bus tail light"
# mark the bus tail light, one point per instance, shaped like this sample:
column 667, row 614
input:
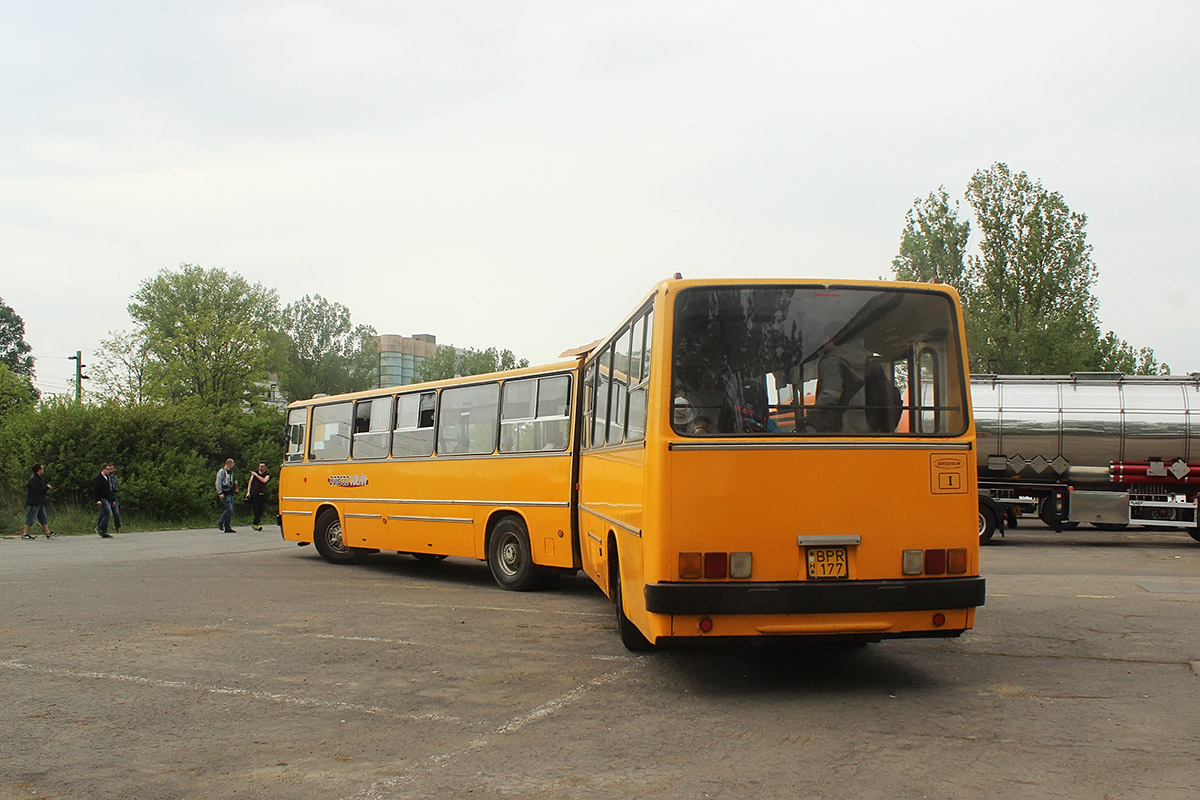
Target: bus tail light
column 716, row 565
column 934, row 562
column 956, row 561
column 693, row 566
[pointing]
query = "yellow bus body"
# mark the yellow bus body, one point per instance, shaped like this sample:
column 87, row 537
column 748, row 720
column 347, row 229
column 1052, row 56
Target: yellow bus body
column 647, row 503
column 798, row 528
column 439, row 505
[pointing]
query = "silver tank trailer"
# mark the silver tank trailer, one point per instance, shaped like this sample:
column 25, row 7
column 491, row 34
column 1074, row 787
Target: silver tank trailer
column 1071, row 427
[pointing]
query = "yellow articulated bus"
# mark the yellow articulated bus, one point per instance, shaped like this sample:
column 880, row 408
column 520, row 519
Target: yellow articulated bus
column 738, row 460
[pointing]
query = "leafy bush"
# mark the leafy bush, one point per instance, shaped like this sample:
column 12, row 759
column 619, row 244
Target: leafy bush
column 166, row 456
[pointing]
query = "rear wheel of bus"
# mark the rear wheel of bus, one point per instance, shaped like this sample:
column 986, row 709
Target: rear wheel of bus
column 631, row 637
column 327, row 537
column 510, row 557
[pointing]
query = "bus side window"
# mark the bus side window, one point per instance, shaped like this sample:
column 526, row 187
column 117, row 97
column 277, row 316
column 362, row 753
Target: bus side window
column 589, row 402
column 600, row 419
column 331, row 425
column 639, row 376
column 296, row 423
column 467, row 419
column 414, row 425
column 372, row 428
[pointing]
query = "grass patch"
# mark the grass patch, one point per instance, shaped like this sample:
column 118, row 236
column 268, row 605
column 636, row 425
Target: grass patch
column 77, row 519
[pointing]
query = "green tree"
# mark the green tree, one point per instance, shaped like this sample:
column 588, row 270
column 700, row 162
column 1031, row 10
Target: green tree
column 448, row 362
column 1031, row 295
column 15, row 353
column 1027, row 296
column 121, row 369
column 933, row 246
column 324, row 351
column 15, row 391
column 206, row 333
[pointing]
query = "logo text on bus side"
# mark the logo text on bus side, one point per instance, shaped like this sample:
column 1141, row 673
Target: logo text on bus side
column 348, row 480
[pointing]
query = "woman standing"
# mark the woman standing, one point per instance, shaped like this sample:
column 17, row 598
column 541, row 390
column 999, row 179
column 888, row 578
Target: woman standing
column 35, row 503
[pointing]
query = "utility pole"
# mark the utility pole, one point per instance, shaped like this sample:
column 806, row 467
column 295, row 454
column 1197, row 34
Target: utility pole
column 79, row 376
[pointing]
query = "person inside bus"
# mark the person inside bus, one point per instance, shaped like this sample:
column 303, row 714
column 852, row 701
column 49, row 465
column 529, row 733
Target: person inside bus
column 840, row 378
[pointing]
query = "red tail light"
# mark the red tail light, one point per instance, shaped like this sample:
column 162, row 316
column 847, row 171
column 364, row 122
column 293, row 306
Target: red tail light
column 935, row 562
column 716, row 565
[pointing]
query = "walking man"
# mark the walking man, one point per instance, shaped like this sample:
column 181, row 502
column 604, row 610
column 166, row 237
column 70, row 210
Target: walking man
column 256, row 492
column 102, row 489
column 227, row 487
column 35, row 503
column 116, row 502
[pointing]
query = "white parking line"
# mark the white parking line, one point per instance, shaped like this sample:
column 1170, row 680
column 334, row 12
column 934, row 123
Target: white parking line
column 440, row 644
column 456, row 607
column 307, row 702
column 382, row 789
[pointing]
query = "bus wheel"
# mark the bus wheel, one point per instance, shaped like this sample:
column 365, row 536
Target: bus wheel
column 328, row 539
column 987, row 523
column 631, row 637
column 1194, row 533
column 510, row 557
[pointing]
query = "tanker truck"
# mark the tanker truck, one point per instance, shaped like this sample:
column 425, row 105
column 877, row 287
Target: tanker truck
column 1101, row 448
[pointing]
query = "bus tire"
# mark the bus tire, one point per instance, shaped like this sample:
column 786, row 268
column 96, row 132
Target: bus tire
column 988, row 522
column 631, row 637
column 510, row 558
column 327, row 536
column 1194, row 533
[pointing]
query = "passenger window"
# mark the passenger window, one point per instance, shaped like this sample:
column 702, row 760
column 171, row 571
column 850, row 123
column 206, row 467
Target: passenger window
column 372, row 428
column 535, row 414
column 331, row 427
column 620, row 389
column 414, row 425
column 296, row 422
column 589, row 402
column 600, row 421
column 467, row 419
column 639, row 375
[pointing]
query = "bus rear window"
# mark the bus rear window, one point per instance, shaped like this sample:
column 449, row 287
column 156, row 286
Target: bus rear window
column 816, row 361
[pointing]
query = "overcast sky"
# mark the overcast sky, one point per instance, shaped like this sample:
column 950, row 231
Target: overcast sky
column 519, row 174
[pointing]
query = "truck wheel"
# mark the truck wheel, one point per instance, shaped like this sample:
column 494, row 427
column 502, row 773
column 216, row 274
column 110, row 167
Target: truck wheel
column 988, row 523
column 328, row 538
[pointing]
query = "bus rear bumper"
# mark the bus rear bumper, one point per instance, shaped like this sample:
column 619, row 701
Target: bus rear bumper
column 813, row 597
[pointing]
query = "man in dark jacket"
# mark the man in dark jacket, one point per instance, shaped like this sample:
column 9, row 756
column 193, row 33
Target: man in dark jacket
column 35, row 503
column 102, row 490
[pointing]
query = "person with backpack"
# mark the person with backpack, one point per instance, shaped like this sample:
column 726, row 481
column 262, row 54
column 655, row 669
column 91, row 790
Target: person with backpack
column 227, row 487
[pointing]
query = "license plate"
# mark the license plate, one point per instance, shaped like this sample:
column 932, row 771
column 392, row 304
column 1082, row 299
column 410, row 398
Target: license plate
column 827, row 563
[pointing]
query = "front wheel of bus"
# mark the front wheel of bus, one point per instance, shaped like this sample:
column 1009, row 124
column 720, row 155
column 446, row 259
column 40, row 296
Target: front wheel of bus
column 510, row 557
column 328, row 538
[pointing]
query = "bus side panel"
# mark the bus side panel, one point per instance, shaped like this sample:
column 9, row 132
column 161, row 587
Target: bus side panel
column 439, row 505
column 611, row 502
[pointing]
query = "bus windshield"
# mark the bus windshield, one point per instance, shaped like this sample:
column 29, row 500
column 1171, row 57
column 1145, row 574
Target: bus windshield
column 816, row 360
